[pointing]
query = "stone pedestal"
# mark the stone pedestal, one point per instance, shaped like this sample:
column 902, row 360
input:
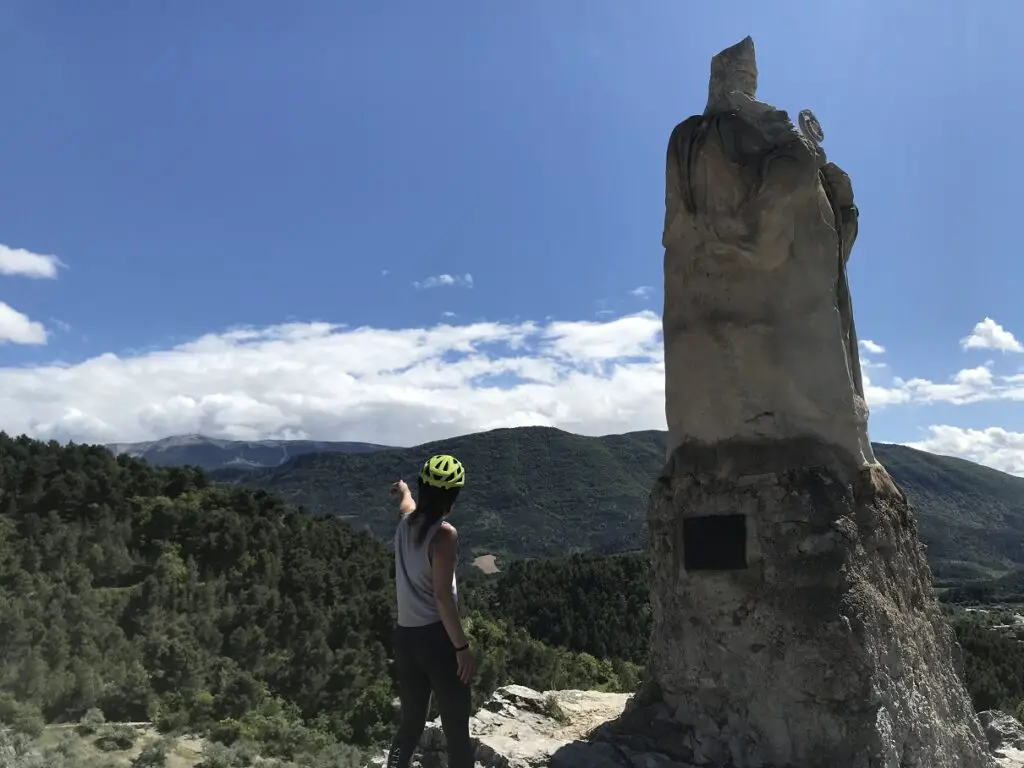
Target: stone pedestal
column 795, row 623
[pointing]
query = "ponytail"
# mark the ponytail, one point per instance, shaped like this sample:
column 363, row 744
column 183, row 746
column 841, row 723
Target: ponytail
column 432, row 504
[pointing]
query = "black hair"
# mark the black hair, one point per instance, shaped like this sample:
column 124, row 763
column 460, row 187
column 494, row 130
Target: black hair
column 432, row 504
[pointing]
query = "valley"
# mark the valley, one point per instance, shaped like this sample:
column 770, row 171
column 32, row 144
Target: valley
column 542, row 492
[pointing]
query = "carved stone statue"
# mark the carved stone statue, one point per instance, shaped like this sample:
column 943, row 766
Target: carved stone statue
column 758, row 322
column 794, row 618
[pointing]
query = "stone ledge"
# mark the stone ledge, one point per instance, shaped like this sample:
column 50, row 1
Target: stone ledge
column 522, row 728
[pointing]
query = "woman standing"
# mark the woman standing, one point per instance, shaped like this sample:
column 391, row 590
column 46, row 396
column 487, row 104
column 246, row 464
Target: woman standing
column 431, row 651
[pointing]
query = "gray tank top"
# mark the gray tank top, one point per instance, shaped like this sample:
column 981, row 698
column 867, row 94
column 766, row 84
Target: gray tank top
column 413, row 580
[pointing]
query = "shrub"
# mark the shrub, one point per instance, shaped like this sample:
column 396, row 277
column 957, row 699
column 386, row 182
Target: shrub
column 22, row 718
column 216, row 755
column 153, row 755
column 91, row 721
column 114, row 738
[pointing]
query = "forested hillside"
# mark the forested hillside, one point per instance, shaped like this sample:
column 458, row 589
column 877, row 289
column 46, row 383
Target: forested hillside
column 150, row 595
column 530, row 491
column 593, row 603
column 537, row 491
column 970, row 516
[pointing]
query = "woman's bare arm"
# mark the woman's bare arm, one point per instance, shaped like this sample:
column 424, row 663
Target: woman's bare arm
column 443, row 552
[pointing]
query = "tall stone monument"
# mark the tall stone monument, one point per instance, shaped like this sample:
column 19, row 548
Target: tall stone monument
column 795, row 623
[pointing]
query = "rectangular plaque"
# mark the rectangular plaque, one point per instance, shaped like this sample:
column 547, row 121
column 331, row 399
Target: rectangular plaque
column 715, row 543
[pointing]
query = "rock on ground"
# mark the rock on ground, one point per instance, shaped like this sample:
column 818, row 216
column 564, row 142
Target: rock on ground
column 1005, row 738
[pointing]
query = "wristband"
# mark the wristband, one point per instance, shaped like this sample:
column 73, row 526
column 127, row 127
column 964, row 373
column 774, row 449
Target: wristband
column 460, row 650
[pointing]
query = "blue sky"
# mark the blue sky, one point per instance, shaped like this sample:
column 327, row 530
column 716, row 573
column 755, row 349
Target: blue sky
column 200, row 166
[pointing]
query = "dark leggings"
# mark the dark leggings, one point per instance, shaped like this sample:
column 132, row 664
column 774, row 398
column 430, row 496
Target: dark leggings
column 424, row 662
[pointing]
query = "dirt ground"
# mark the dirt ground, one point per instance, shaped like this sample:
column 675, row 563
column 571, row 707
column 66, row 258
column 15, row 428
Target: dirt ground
column 187, row 752
column 487, row 563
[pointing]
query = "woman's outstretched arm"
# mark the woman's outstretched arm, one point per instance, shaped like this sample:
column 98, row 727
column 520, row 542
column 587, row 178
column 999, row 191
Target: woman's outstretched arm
column 406, row 503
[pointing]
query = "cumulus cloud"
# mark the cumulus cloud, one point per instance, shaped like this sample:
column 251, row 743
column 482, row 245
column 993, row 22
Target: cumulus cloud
column 320, row 380
column 18, row 261
column 994, row 446
column 642, row 291
column 871, row 347
column 399, row 387
column 988, row 334
column 16, row 328
column 967, row 386
column 437, row 281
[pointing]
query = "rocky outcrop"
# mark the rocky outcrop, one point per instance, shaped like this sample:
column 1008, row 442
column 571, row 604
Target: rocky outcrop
column 522, row 728
column 1005, row 737
column 794, row 618
column 824, row 646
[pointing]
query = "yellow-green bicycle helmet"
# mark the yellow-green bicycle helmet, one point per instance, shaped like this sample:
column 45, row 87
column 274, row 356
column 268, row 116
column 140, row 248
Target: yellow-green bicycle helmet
column 443, row 471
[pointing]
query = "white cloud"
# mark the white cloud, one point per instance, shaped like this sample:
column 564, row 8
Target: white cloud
column 447, row 313
column 994, row 446
column 642, row 291
column 16, row 328
column 988, row 334
column 586, row 342
column 18, row 261
column 399, row 387
column 970, row 385
column 391, row 386
column 871, row 347
column 436, row 281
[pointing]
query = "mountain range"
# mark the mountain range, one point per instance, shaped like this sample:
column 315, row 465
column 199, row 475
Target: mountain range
column 213, row 453
column 542, row 492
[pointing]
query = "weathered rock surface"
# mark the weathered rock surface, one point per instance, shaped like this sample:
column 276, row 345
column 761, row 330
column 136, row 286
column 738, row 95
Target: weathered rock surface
column 522, row 728
column 795, row 622
column 827, row 649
